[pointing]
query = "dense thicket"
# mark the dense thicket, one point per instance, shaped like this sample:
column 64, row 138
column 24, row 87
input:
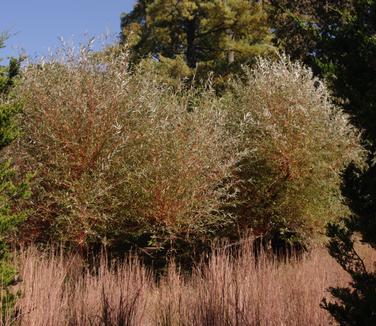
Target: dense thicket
column 119, row 157
column 195, row 130
column 124, row 160
column 126, row 153
column 295, row 144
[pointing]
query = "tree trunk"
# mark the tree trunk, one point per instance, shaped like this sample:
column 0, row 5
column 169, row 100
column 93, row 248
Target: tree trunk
column 230, row 53
column 231, row 57
column 191, row 31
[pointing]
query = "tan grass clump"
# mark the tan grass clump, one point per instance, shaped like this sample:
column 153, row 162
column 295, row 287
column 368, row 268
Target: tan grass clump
column 57, row 290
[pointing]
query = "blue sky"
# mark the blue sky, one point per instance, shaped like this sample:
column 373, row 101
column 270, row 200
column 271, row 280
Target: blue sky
column 36, row 25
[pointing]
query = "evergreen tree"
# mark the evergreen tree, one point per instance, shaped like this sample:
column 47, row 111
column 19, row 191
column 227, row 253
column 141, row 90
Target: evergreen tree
column 338, row 41
column 9, row 192
column 294, row 23
column 354, row 305
column 215, row 33
column 346, row 56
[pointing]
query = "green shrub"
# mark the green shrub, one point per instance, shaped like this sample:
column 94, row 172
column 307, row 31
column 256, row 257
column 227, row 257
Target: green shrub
column 294, row 145
column 11, row 193
column 119, row 157
column 123, row 159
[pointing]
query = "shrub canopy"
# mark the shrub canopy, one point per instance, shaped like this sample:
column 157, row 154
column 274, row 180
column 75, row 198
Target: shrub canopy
column 294, row 145
column 121, row 157
column 118, row 155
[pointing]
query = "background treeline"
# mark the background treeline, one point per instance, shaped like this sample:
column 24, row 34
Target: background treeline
column 195, row 128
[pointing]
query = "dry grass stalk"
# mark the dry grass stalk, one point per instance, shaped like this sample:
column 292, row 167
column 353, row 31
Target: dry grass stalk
column 227, row 291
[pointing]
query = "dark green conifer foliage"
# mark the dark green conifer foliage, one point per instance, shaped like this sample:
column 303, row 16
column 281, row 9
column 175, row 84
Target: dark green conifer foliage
column 343, row 50
column 354, row 305
column 9, row 192
column 215, row 33
column 337, row 39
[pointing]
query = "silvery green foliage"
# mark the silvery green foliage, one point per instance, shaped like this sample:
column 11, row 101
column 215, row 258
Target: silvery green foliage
column 294, row 145
column 117, row 153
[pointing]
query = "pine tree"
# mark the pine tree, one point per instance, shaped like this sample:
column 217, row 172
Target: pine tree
column 354, row 305
column 294, row 23
column 345, row 54
column 337, row 39
column 215, row 33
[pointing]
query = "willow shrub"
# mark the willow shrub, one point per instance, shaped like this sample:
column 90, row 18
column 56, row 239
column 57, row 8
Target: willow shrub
column 119, row 158
column 294, row 145
column 122, row 159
